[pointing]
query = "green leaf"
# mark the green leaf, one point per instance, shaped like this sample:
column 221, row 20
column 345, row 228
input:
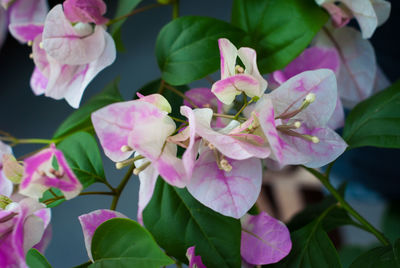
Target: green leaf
column 279, row 30
column 380, row 257
column 349, row 253
column 124, row 243
column 83, row 157
column 391, row 221
column 187, row 47
column 173, row 99
column 124, row 7
column 80, row 119
column 311, row 248
column 375, row 121
column 34, row 259
column 178, row 221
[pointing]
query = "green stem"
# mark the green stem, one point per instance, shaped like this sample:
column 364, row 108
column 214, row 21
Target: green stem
column 175, row 9
column 121, row 187
column 178, row 120
column 136, row 11
column 368, row 226
column 56, row 198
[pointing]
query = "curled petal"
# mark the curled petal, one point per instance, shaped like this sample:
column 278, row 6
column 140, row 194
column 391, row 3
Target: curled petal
column 382, row 10
column 69, row 44
column 339, row 17
column 91, row 221
column 148, row 179
column 85, row 11
column 194, row 261
column 365, row 14
column 265, row 240
column 249, row 58
column 157, row 100
column 230, row 193
column 228, row 53
column 38, row 82
column 39, row 175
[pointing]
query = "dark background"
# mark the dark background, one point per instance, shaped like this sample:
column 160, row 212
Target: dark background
column 27, row 116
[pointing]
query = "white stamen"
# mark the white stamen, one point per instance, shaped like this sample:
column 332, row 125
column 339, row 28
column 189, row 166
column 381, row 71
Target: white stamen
column 136, row 171
column 126, row 148
column 30, row 43
column 239, row 69
column 41, row 45
column 225, row 165
column 297, row 124
column 310, row 97
column 315, row 139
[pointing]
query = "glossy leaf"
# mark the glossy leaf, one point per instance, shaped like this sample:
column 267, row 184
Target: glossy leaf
column 124, row 7
column 187, row 47
column 380, row 257
column 391, row 221
column 178, row 221
column 279, row 30
column 34, row 259
column 124, row 243
column 375, row 121
column 80, row 119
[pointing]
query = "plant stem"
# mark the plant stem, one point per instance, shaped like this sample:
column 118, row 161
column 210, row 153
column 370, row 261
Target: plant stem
column 56, row 198
column 368, row 226
column 121, row 187
column 178, row 120
column 175, row 9
column 180, row 94
column 136, row 11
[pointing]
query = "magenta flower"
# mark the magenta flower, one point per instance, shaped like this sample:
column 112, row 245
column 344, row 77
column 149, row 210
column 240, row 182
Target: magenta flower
column 312, row 59
column 40, row 175
column 265, row 240
column 22, row 227
column 294, row 119
column 91, row 221
column 236, row 79
column 194, row 261
column 85, row 11
column 369, row 13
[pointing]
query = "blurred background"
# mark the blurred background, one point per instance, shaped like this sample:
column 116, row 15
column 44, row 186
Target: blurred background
column 372, row 173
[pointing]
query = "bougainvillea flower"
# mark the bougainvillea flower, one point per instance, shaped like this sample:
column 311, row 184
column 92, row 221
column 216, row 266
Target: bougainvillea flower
column 313, row 58
column 6, row 186
column 231, row 193
column 369, row 13
column 194, row 261
column 26, row 18
column 358, row 67
column 85, row 11
column 236, row 79
column 12, row 168
column 294, row 120
column 157, row 100
column 22, row 227
column 265, row 240
column 41, row 174
column 91, row 221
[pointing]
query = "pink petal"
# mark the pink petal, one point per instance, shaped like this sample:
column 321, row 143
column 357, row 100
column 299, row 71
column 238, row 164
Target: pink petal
column 6, row 186
column 66, row 44
column 38, row 82
column 249, row 58
column 34, row 184
column 229, row 193
column 27, row 18
column 194, row 261
column 338, row 117
column 312, row 58
column 91, row 221
column 339, row 17
column 265, row 240
column 85, row 11
column 45, row 241
column 290, row 95
column 228, row 53
column 358, row 63
column 228, row 88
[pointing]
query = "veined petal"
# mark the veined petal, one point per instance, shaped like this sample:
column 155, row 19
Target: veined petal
column 228, row 88
column 265, row 240
column 228, row 53
column 85, row 11
column 66, row 44
column 338, row 117
column 25, row 32
column 194, row 261
column 91, row 221
column 230, row 193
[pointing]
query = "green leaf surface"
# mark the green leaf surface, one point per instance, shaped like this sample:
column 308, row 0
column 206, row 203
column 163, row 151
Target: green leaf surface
column 380, row 257
column 124, row 7
column 311, row 248
column 80, row 119
column 174, row 100
column 391, row 221
column 34, row 259
column 178, row 221
column 279, row 30
column 83, row 157
column 187, row 47
column 124, row 243
column 349, row 253
column 375, row 121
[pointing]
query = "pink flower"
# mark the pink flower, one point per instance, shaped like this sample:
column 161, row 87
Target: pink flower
column 91, row 221
column 68, row 57
column 194, row 261
column 6, row 186
column 369, row 13
column 265, row 240
column 23, row 225
column 234, row 78
column 40, row 175
column 85, row 11
column 294, row 120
